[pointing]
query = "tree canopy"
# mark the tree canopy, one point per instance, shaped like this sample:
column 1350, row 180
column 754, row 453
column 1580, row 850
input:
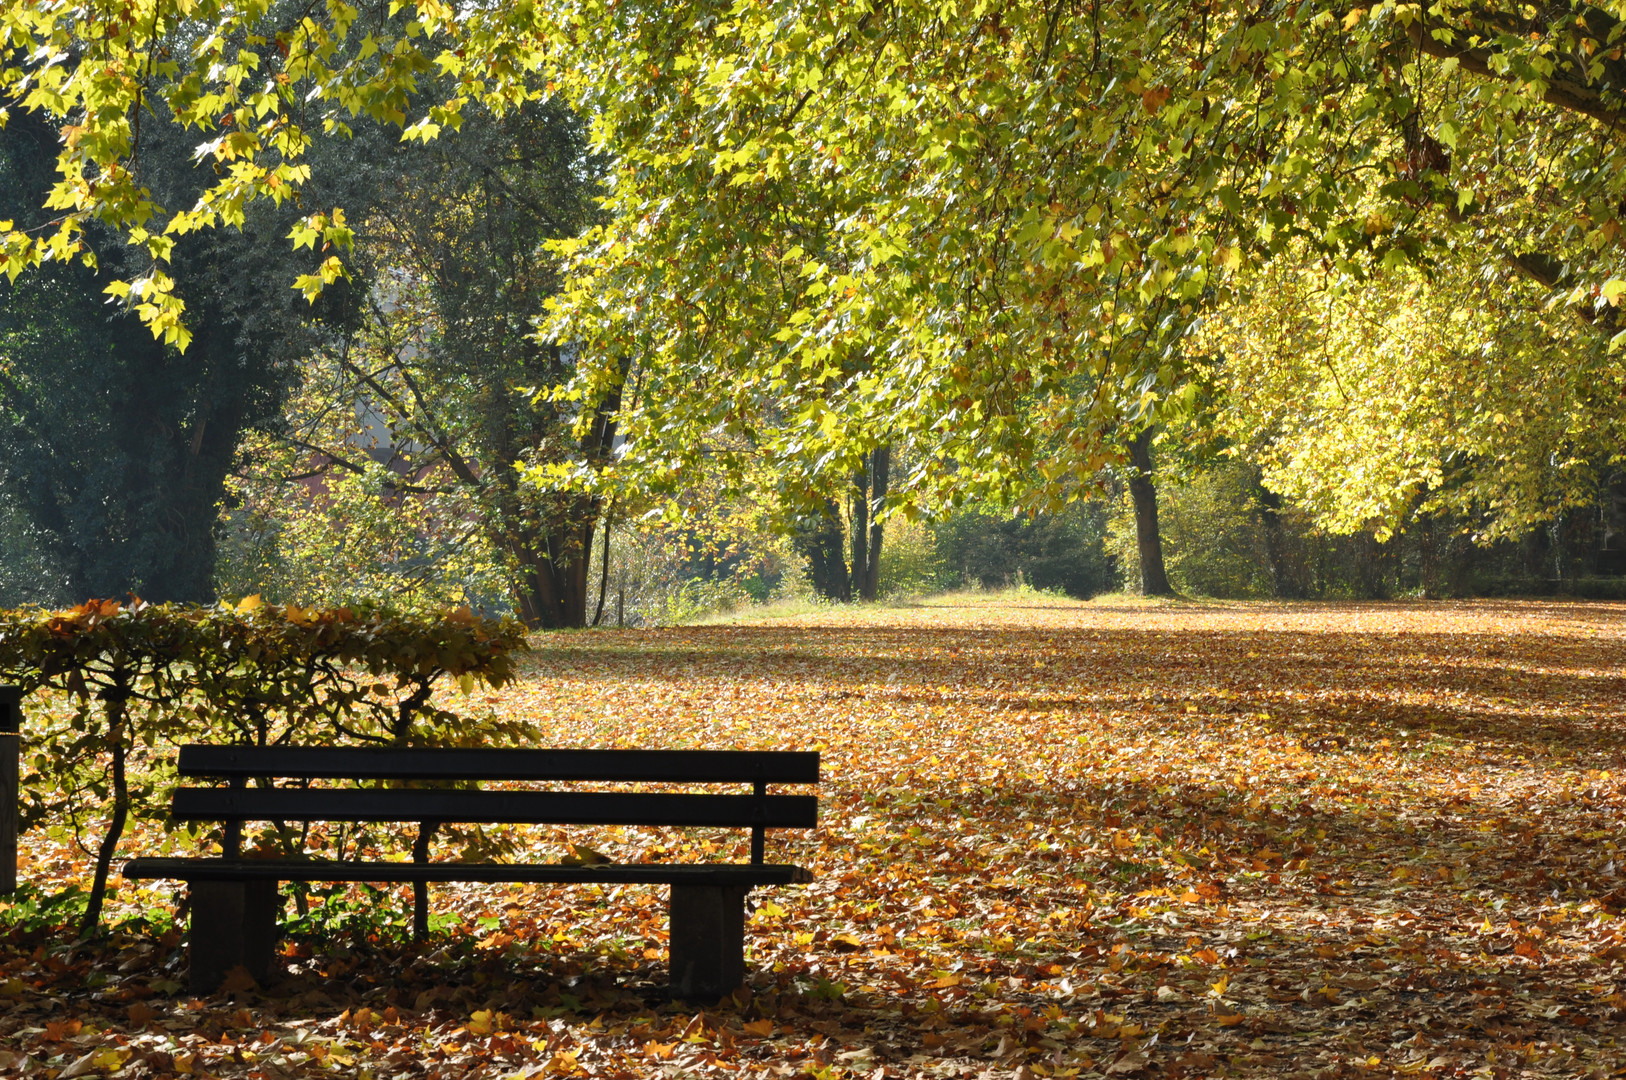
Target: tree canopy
column 980, row 232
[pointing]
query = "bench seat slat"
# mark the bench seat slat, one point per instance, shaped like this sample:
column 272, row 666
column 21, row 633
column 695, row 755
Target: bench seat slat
column 506, row 807
column 418, row 763
column 746, row 874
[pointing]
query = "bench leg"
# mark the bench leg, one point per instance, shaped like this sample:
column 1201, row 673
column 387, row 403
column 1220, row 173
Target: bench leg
column 233, row 922
column 707, row 940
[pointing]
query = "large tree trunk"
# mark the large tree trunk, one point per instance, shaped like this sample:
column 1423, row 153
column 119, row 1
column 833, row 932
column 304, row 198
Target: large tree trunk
column 826, row 560
column 551, row 586
column 1154, row 580
column 1284, row 576
column 1428, row 558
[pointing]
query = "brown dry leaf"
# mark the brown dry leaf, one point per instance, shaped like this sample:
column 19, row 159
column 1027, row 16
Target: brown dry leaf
column 238, row 981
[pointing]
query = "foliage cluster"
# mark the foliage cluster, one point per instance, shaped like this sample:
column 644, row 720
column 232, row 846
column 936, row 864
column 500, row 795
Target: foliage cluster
column 979, row 232
column 136, row 680
column 1406, row 394
column 349, row 536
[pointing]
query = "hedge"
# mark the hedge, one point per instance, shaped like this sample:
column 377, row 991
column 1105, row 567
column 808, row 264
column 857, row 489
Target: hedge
column 141, row 679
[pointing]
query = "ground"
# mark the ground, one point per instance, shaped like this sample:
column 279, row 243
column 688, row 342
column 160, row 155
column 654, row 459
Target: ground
column 1112, row 838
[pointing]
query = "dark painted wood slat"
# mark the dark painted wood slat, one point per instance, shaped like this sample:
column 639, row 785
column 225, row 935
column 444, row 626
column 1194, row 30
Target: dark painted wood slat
column 383, row 763
column 509, row 807
column 391, row 872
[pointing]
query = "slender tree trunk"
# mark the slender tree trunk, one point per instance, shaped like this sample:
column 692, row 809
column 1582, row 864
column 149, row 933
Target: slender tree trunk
column 115, row 711
column 1154, row 580
column 880, row 470
column 1428, row 559
column 604, row 573
column 860, row 527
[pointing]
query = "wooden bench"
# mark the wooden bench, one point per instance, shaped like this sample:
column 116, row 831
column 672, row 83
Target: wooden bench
column 235, row 900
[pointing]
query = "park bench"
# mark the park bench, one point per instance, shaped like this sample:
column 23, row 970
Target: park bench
column 235, row 901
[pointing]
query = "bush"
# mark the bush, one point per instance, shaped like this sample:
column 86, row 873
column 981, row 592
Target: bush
column 139, row 680
column 347, row 538
column 909, row 560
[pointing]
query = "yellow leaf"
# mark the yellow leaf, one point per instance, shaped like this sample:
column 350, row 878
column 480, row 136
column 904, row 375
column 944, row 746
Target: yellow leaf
column 584, row 856
column 762, row 1028
column 249, row 604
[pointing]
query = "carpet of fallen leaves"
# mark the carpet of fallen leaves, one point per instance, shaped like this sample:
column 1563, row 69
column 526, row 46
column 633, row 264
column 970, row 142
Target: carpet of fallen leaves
column 1058, row 839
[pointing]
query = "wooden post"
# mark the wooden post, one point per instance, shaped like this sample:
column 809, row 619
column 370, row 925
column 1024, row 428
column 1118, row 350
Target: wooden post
column 706, row 943
column 233, row 923
column 11, row 792
column 760, row 788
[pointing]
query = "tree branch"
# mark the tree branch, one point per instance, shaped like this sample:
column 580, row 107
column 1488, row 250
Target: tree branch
column 1584, row 97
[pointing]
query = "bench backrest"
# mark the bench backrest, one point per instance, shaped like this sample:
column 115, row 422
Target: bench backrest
column 432, row 806
column 420, row 763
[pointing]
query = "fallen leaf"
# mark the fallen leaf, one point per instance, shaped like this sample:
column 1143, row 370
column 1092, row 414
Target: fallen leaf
column 238, row 981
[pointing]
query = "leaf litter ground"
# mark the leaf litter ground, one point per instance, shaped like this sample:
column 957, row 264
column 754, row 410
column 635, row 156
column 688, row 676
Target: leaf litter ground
column 1058, row 839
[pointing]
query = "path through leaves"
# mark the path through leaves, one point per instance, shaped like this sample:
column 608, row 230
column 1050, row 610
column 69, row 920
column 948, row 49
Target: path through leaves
column 1059, row 839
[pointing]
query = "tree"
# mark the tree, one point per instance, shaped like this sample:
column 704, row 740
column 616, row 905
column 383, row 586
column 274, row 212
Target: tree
column 439, row 393
column 114, row 447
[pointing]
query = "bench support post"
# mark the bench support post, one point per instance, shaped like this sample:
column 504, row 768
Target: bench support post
column 11, row 792
column 233, row 922
column 707, row 940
